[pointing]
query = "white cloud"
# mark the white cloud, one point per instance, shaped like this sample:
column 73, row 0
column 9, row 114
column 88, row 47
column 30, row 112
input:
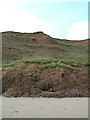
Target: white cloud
column 78, row 31
column 14, row 19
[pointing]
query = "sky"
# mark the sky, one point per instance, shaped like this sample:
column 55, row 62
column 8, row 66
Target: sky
column 59, row 19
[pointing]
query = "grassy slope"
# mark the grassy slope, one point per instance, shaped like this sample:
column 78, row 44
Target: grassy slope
column 25, row 48
column 44, row 66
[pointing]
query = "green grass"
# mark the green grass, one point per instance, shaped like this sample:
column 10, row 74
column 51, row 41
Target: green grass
column 62, row 53
column 88, row 71
column 72, row 81
column 12, row 64
column 59, row 65
column 31, row 75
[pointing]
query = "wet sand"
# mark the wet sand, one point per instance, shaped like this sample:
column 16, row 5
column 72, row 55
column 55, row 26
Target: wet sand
column 44, row 107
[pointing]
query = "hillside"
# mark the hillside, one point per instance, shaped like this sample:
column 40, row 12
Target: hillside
column 35, row 64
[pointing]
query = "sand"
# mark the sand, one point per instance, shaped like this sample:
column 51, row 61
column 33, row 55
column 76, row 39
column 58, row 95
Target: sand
column 0, row 107
column 44, row 107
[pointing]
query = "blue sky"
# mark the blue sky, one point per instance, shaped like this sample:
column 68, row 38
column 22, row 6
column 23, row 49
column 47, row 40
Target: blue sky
column 65, row 20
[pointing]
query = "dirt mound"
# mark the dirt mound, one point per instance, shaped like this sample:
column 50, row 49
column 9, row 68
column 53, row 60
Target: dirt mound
column 33, row 81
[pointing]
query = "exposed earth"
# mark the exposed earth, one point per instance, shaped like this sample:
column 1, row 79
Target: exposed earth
column 37, row 65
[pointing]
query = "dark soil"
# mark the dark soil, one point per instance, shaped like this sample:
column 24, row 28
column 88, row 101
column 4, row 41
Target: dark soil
column 32, row 81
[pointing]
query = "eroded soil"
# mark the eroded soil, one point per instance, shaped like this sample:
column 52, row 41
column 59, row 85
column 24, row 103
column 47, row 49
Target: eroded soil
column 33, row 81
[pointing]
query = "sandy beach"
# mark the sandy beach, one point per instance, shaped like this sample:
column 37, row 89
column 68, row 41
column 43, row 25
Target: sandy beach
column 0, row 107
column 44, row 107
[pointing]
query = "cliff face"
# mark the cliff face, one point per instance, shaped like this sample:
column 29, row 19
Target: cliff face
column 35, row 64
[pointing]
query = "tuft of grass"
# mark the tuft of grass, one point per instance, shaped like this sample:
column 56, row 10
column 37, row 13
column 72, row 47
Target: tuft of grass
column 12, row 64
column 72, row 81
column 31, row 75
column 59, row 65
column 88, row 71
